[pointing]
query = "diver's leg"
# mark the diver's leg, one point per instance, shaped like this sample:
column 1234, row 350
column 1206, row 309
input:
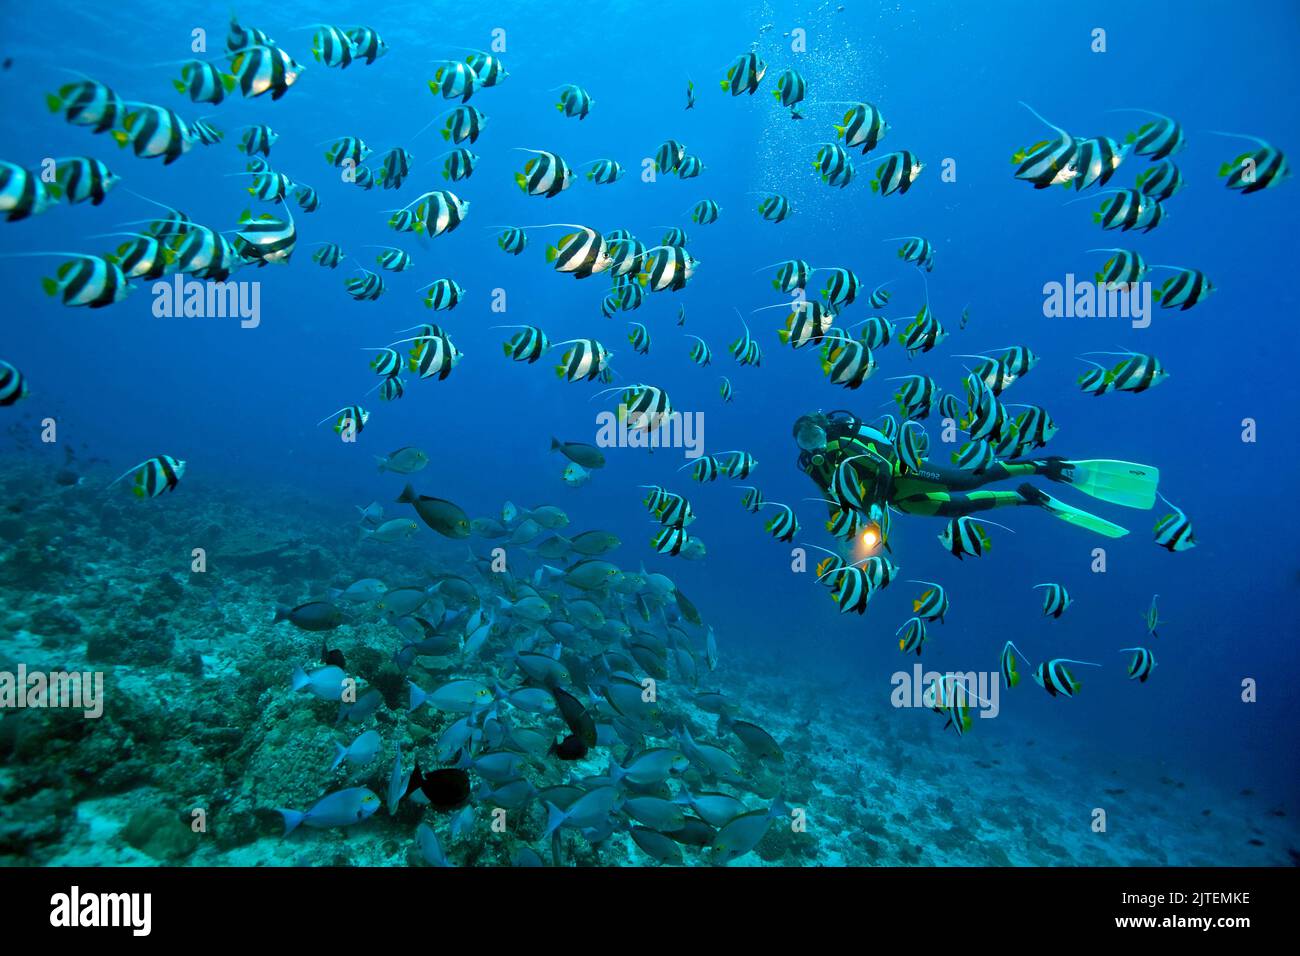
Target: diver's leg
column 963, row 479
column 954, row 504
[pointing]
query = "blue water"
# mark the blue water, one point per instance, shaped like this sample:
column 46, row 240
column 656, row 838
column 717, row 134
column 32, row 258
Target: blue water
column 240, row 405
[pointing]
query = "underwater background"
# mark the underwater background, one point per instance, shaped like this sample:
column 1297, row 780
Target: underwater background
column 199, row 708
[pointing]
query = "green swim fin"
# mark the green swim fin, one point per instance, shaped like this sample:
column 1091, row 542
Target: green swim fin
column 1119, row 482
column 1074, row 516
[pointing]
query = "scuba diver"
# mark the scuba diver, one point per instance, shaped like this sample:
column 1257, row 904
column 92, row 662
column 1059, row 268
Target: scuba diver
column 827, row 441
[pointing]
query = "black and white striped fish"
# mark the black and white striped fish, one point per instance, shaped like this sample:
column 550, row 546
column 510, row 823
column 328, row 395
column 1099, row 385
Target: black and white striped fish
column 644, row 406
column 690, row 167
column 790, row 275
column 546, row 174
column 394, row 167
column 841, row 288
column 439, row 212
column 911, row 446
column 669, row 156
column 700, row 353
column 1098, row 380
column 1122, row 269
column 775, row 208
column 1174, row 531
column 142, row 257
column 87, row 102
column 366, row 287
column 744, row 74
column 627, row 255
column 264, row 69
column 807, row 324
column 639, row 336
column 204, row 253
column 1055, row 678
column 706, row 468
column 13, row 385
column 512, row 240
column 932, row 605
column 257, row 139
column 23, row 194
column 331, row 46
column 603, row 172
column 834, row 165
column 1055, row 599
column 1141, row 664
column 1161, row 180
column 1258, row 169
column 580, row 254
column 391, row 389
column 265, row 239
column 1184, row 289
column 1156, row 139
column 92, row 281
column 363, row 178
column 454, row 80
column 918, row 250
column 387, row 363
column 916, row 395
column 862, row 126
column 704, row 212
column 584, row 360
column 897, row 173
column 367, row 45
column 964, row 536
column 151, row 478
column 464, row 125
column 783, row 525
column 752, row 499
column 328, row 255
column 1137, row 372
column 347, row 150
column 737, row 464
column 790, row 88
column 924, row 332
column 270, row 186
column 239, row 36
column 846, row 362
column 154, row 131
column 746, row 349
column 975, row 456
column 1096, row 161
column 204, row 83
column 675, row 237
column 1035, row 427
column 574, row 101
column 527, row 345
column 1129, row 209
column 911, row 636
column 487, row 68
column 879, row 296
column 205, row 133
column 350, row 417
column 307, row 198
column 392, row 259
column 435, row 355
column 667, row 268
column 726, row 391
column 1050, row 162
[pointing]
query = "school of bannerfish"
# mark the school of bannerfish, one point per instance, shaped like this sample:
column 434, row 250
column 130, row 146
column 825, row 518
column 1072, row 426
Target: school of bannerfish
column 581, row 643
